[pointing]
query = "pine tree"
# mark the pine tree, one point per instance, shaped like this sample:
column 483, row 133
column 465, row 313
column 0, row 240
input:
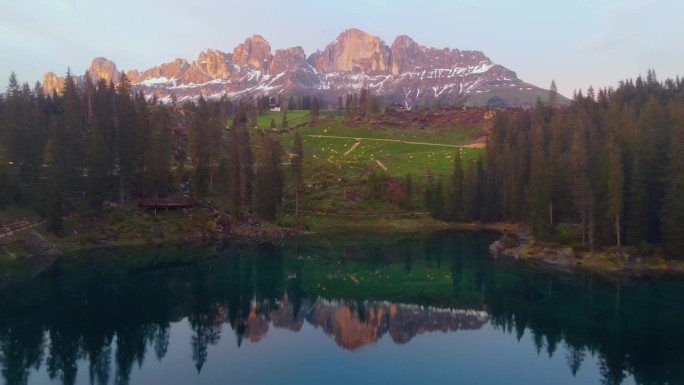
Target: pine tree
column 126, row 137
column 159, row 153
column 199, row 147
column 268, row 178
column 363, row 102
column 297, row 167
column 615, row 188
column 537, row 188
column 553, row 95
column 96, row 163
column 244, row 161
column 283, row 122
column 142, row 126
column 673, row 205
column 13, row 116
column 407, row 203
column 456, row 196
column 74, row 129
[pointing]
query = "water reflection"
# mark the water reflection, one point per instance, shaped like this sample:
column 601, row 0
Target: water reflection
column 116, row 321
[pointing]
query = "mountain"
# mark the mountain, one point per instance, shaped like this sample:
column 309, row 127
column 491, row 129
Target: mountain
column 405, row 73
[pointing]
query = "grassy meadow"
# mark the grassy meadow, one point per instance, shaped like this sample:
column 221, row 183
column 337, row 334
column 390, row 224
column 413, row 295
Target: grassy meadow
column 339, row 156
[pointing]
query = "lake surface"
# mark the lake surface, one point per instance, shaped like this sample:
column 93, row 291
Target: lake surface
column 365, row 308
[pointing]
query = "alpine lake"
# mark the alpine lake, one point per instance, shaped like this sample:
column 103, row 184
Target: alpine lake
column 369, row 308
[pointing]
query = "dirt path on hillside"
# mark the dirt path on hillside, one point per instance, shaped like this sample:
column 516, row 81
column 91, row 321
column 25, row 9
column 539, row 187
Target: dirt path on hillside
column 474, row 145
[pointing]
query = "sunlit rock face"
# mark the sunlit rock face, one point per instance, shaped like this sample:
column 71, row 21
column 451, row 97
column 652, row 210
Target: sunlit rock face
column 52, row 83
column 101, row 68
column 288, row 60
column 255, row 53
column 406, row 73
column 353, row 50
column 216, row 64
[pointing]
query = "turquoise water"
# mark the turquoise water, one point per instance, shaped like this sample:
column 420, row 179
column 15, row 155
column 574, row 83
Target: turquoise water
column 365, row 308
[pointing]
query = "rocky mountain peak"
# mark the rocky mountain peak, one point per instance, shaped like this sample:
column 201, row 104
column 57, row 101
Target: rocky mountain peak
column 102, row 68
column 255, row 52
column 287, row 60
column 353, row 50
column 52, row 83
column 216, row 64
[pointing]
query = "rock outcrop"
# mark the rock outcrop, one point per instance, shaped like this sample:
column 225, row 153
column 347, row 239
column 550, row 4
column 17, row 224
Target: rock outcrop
column 101, row 68
column 52, row 83
column 216, row 64
column 353, row 51
column 255, row 53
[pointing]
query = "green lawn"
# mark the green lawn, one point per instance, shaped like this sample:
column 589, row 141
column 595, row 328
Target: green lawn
column 294, row 118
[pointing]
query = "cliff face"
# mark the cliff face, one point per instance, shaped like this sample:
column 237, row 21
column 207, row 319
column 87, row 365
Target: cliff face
column 101, row 68
column 405, row 73
column 216, row 64
column 255, row 53
column 353, row 51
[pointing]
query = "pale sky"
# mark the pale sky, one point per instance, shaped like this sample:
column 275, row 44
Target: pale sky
column 577, row 43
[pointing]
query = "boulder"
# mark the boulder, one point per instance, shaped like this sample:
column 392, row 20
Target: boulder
column 40, row 247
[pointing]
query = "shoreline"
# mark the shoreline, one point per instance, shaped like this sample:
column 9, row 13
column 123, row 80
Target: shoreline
column 610, row 262
column 152, row 231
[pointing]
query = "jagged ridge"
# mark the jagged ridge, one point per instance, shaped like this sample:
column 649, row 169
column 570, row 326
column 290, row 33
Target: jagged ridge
column 405, row 73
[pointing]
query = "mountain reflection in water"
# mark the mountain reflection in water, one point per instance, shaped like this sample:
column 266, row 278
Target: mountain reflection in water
column 353, row 325
column 104, row 324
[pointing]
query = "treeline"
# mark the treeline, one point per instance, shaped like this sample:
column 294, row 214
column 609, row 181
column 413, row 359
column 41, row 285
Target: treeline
column 101, row 142
column 612, row 163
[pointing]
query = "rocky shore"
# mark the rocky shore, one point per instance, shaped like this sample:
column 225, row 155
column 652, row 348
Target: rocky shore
column 614, row 262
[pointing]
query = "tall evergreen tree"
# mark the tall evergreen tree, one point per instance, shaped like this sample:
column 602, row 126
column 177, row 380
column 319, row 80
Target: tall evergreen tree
column 268, row 178
column 283, row 122
column 456, row 188
column 615, row 188
column 159, row 153
column 537, row 188
column 673, row 205
column 297, row 166
column 126, row 137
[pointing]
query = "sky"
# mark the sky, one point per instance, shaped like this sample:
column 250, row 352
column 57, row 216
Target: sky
column 577, row 43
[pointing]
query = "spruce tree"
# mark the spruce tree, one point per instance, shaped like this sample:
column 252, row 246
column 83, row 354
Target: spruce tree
column 268, row 177
column 537, row 188
column 283, row 122
column 615, row 188
column 456, row 196
column 126, row 137
column 297, row 167
column 672, row 213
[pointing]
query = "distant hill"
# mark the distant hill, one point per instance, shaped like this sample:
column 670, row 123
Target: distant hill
column 404, row 73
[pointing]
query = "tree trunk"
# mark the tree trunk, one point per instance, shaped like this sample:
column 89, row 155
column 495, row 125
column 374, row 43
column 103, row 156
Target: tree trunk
column 591, row 232
column 297, row 207
column 617, row 231
column 122, row 197
column 551, row 214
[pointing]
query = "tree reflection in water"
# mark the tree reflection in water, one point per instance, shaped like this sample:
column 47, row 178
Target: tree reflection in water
column 357, row 291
